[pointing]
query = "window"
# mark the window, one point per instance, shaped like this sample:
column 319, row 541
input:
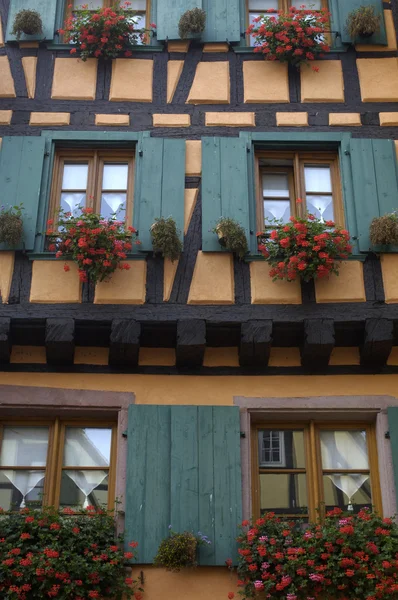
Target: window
column 99, row 179
column 299, row 469
column 283, row 177
column 63, row 463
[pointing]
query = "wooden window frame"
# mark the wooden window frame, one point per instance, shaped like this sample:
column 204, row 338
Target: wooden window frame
column 297, row 186
column 96, row 158
column 53, row 468
column 313, row 463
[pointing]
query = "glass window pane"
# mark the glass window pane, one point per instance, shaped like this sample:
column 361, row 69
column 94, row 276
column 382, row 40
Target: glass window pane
column 317, row 179
column 263, row 5
column 138, row 5
column 281, row 449
column 84, row 488
column 321, row 206
column 283, row 493
column 349, row 492
column 21, row 488
column 276, row 209
column 91, row 4
column 75, row 177
column 140, row 21
column 275, row 185
column 24, row 447
column 115, row 176
column 112, row 204
column 344, row 450
column 73, row 202
column 87, row 447
column 312, row 5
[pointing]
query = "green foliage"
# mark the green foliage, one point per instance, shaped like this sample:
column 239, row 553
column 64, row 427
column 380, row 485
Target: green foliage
column 68, row 556
column 384, row 230
column 11, row 225
column 28, row 22
column 165, row 240
column 177, row 551
column 232, row 236
column 363, row 22
column 192, row 21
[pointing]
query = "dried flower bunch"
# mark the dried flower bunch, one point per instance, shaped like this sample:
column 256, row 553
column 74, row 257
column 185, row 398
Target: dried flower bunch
column 28, row 22
column 192, row 22
column 179, row 550
column 165, row 238
column 11, row 225
column 384, row 230
column 363, row 22
column 232, row 236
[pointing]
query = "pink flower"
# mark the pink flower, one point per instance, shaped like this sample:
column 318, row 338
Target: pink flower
column 259, row 585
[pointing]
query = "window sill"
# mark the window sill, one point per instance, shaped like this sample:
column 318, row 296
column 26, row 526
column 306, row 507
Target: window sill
column 259, row 257
column 62, row 46
column 250, row 50
column 51, row 256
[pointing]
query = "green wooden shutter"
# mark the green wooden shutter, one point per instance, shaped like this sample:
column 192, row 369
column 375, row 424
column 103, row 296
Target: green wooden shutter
column 222, row 21
column 159, row 185
column 21, row 167
column 47, row 10
column 375, row 183
column 225, row 186
column 347, row 6
column 183, row 470
column 393, row 427
column 168, row 16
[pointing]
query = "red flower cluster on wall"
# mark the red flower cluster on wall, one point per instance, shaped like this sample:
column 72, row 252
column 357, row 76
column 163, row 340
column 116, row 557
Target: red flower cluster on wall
column 295, row 36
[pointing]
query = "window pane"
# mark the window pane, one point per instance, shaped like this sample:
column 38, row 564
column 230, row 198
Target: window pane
column 321, row 207
column 275, row 185
column 115, row 176
column 21, row 488
column 349, row 492
column 262, row 5
column 91, row 4
column 344, row 450
column 281, row 449
column 87, row 447
column 75, row 177
column 278, row 209
column 317, row 179
column 312, row 5
column 140, row 21
column 24, row 447
column 73, row 202
column 138, row 5
column 84, row 488
column 283, row 493
column 113, row 203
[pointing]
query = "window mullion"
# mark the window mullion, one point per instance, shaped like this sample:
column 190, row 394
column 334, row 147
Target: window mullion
column 314, row 472
column 51, row 469
column 298, row 209
column 93, row 193
column 58, row 465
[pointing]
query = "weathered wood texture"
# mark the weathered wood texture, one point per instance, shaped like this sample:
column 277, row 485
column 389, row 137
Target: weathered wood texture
column 255, row 343
column 60, row 341
column 124, row 343
column 191, row 343
column 319, row 340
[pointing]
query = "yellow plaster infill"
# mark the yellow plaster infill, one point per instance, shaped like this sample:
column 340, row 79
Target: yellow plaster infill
column 292, row 119
column 389, row 268
column 265, row 82
column 285, row 357
column 211, row 84
column 29, row 64
column 378, row 78
column 6, row 272
column 230, row 119
column 112, row 120
column 345, row 120
column 221, row 357
column 213, row 279
column 266, row 291
column 190, row 197
column 388, row 119
column 216, row 47
column 349, row 286
column 174, row 70
column 396, row 149
column 43, row 119
column 193, row 158
column 391, row 37
column 85, row 355
column 28, row 354
column 51, row 284
column 325, row 85
column 344, row 356
column 74, row 79
column 178, row 46
column 216, row 389
column 393, row 358
column 171, row 120
column 170, row 270
column 7, row 89
column 5, row 117
column 158, row 357
column 132, row 80
column 1, row 34
column 30, row 45
column 124, row 286
column 1, row 141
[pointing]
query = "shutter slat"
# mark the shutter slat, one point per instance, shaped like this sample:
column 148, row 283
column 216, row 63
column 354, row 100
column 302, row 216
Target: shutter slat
column 168, row 16
column 365, row 188
column 206, row 484
column 222, row 21
column 21, row 167
column 393, row 427
column 211, row 192
column 47, row 10
column 347, row 6
column 386, row 175
column 173, row 183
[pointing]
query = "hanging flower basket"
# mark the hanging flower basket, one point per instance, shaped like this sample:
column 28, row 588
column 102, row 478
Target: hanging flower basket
column 305, row 248
column 384, row 230
column 165, row 238
column 232, row 236
column 28, row 22
column 363, row 22
column 11, row 225
column 179, row 550
column 295, row 37
column 192, row 24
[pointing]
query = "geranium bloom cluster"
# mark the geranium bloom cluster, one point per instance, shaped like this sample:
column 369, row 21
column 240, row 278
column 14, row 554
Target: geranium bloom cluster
column 346, row 557
column 97, row 245
column 305, row 248
column 67, row 556
column 295, row 36
column 105, row 33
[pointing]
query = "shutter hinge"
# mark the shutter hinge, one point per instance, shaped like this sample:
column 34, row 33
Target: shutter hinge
column 387, row 435
column 347, row 152
column 46, row 153
column 124, row 433
column 242, row 434
column 141, row 153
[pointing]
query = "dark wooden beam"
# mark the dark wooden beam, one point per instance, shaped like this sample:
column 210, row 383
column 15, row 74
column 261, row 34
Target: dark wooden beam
column 60, row 341
column 255, row 343
column 318, row 343
column 5, row 341
column 124, row 343
column 378, row 341
column 191, row 343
